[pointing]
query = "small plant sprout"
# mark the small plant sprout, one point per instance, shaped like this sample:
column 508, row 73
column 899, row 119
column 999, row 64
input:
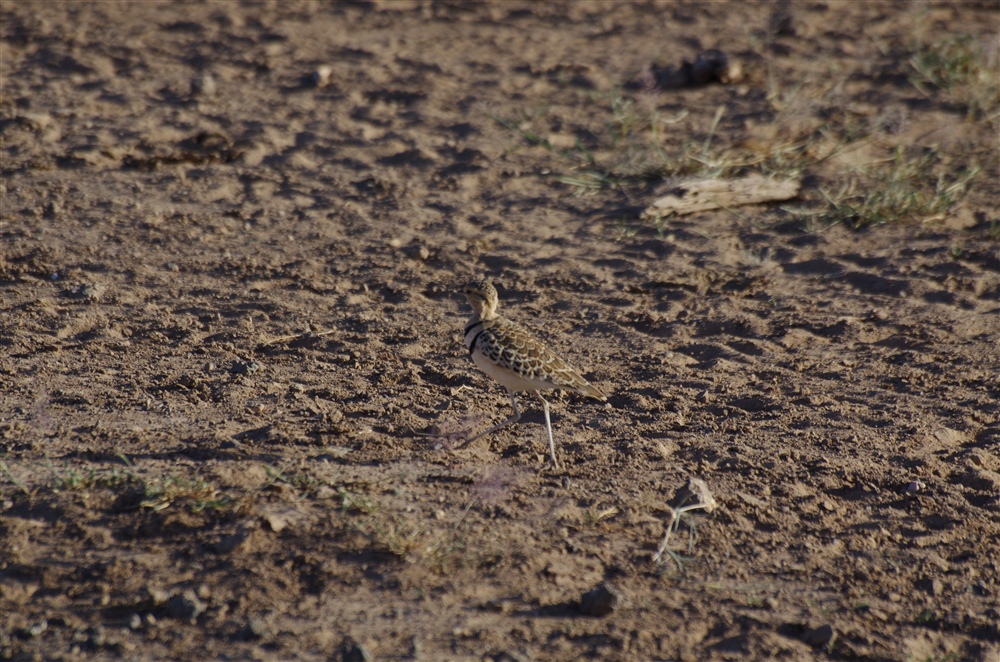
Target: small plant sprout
column 351, row 502
column 162, row 493
column 12, row 478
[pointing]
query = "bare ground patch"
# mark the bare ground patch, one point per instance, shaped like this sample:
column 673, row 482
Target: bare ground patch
column 232, row 381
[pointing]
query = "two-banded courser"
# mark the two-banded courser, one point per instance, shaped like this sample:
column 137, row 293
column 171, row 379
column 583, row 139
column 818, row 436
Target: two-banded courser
column 510, row 355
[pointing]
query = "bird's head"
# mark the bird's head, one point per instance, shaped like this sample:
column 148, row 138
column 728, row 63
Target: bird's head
column 482, row 297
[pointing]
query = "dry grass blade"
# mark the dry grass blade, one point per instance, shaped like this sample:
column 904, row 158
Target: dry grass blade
column 696, row 490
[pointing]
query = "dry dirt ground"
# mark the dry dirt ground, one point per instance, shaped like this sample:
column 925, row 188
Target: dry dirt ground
column 232, row 380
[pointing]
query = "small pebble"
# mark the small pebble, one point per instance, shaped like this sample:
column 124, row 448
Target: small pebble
column 36, row 629
column 158, row 596
column 96, row 636
column 509, row 656
column 244, row 367
column 203, row 86
column 256, row 628
column 601, row 601
column 355, row 652
column 321, row 77
column 820, row 636
column 186, row 606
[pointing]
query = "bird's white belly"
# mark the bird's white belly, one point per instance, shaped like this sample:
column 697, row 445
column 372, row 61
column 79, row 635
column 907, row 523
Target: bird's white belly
column 508, row 378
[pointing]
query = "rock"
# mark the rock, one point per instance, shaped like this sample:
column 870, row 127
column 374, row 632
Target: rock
column 601, row 601
column 930, row 585
column 819, row 637
column 321, row 77
column 509, row 656
column 89, row 292
column 256, row 628
column 203, row 86
column 709, row 66
column 951, row 438
column 36, row 121
column 276, row 521
column 936, row 561
column 715, row 65
column 983, row 480
column 355, row 652
column 52, row 210
column 96, row 636
column 324, row 492
column 498, row 606
column 32, row 631
column 244, row 367
column 186, row 606
column 158, row 596
column 977, row 459
column 135, row 622
column 418, row 251
column 231, row 542
column 281, row 516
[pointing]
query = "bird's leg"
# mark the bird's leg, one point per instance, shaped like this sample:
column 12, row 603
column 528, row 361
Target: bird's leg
column 513, row 419
column 548, row 427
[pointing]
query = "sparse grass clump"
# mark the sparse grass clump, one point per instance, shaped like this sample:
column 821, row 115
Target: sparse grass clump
column 805, row 125
column 395, row 536
column 198, row 494
column 132, row 489
column 628, row 150
column 631, row 152
column 407, row 535
column 72, row 478
column 961, row 69
column 904, row 189
column 351, row 502
column 433, row 540
column 910, row 186
column 300, row 482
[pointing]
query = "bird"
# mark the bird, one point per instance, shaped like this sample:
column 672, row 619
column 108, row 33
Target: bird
column 516, row 359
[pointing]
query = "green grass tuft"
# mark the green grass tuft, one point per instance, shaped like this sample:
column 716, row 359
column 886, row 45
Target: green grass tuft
column 907, row 189
column 961, row 69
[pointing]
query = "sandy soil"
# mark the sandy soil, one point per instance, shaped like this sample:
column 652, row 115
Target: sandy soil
column 232, row 380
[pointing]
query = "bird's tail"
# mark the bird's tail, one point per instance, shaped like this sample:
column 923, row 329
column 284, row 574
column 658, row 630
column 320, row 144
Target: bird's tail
column 588, row 389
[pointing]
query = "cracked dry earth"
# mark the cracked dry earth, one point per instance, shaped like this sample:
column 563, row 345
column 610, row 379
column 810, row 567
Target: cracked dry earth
column 232, row 380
